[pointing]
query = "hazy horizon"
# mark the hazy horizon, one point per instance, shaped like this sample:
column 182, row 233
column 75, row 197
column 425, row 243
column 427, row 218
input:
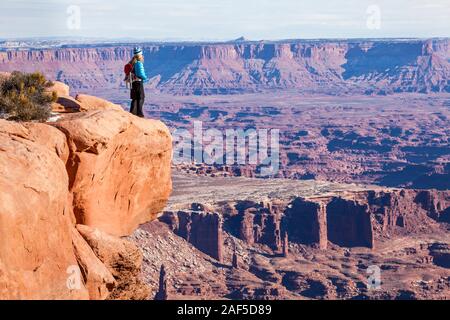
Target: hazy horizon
column 224, row 20
column 169, row 40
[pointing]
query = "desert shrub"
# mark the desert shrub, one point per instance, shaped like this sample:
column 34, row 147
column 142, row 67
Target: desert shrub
column 23, row 97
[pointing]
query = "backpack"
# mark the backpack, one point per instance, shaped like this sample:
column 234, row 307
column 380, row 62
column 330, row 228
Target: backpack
column 129, row 74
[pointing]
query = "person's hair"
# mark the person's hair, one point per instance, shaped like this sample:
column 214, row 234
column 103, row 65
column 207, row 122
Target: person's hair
column 136, row 58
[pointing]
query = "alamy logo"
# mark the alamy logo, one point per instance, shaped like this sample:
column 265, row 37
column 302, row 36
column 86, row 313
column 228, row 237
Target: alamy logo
column 374, row 279
column 74, row 279
column 74, row 17
column 259, row 147
column 374, row 17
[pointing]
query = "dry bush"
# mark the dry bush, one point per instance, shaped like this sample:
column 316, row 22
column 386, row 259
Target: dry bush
column 23, row 97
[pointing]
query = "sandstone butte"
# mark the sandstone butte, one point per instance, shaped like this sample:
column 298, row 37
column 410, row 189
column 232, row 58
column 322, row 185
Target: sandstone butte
column 68, row 191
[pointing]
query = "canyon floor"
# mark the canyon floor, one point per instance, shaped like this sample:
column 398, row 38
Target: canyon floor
column 398, row 140
column 405, row 261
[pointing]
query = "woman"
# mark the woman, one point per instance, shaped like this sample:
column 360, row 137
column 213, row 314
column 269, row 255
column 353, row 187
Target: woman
column 137, row 87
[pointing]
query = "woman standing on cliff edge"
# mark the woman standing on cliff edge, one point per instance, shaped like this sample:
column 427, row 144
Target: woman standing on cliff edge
column 137, row 83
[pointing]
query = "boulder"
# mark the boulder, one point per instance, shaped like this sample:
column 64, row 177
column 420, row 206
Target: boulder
column 81, row 103
column 13, row 129
column 119, row 169
column 42, row 134
column 89, row 103
column 61, row 89
column 441, row 254
column 49, row 137
column 122, row 258
column 66, row 104
column 98, row 279
column 36, row 253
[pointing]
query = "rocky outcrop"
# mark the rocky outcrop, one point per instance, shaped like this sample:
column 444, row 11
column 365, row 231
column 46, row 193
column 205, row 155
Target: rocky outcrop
column 317, row 221
column 435, row 203
column 441, row 254
column 406, row 210
column 350, row 219
column 122, row 258
column 355, row 218
column 349, row 224
column 119, row 169
column 98, row 279
column 202, row 229
column 306, row 222
column 89, row 103
column 251, row 222
column 64, row 102
column 36, row 241
column 60, row 89
column 44, row 193
column 81, row 103
column 259, row 223
column 162, row 293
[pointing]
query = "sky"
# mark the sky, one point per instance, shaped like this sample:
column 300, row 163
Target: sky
column 224, row 19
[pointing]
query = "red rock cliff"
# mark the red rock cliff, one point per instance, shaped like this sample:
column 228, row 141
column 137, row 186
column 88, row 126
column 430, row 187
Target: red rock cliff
column 335, row 66
column 107, row 171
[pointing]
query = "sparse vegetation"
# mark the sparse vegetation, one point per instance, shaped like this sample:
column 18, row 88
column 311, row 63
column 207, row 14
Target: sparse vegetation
column 23, row 97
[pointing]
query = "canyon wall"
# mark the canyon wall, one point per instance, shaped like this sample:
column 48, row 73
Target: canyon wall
column 259, row 223
column 310, row 221
column 347, row 220
column 366, row 66
column 118, row 164
column 357, row 218
column 202, row 229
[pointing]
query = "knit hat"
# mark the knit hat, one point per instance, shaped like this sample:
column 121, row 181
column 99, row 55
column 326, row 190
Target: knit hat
column 137, row 51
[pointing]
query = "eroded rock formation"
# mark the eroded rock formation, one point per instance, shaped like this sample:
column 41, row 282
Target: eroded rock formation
column 355, row 219
column 122, row 258
column 202, row 229
column 285, row 252
column 306, row 222
column 89, row 103
column 349, row 224
column 52, row 177
column 97, row 278
column 259, row 223
column 119, row 169
column 436, row 204
column 441, row 254
column 36, row 241
column 162, row 293
column 366, row 66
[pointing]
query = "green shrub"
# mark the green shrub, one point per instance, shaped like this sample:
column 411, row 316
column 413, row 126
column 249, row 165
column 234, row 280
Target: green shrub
column 23, row 97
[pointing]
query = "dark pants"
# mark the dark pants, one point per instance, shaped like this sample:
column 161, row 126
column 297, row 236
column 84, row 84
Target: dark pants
column 137, row 98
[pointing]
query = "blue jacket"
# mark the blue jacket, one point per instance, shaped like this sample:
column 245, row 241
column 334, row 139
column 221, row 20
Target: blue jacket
column 139, row 71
